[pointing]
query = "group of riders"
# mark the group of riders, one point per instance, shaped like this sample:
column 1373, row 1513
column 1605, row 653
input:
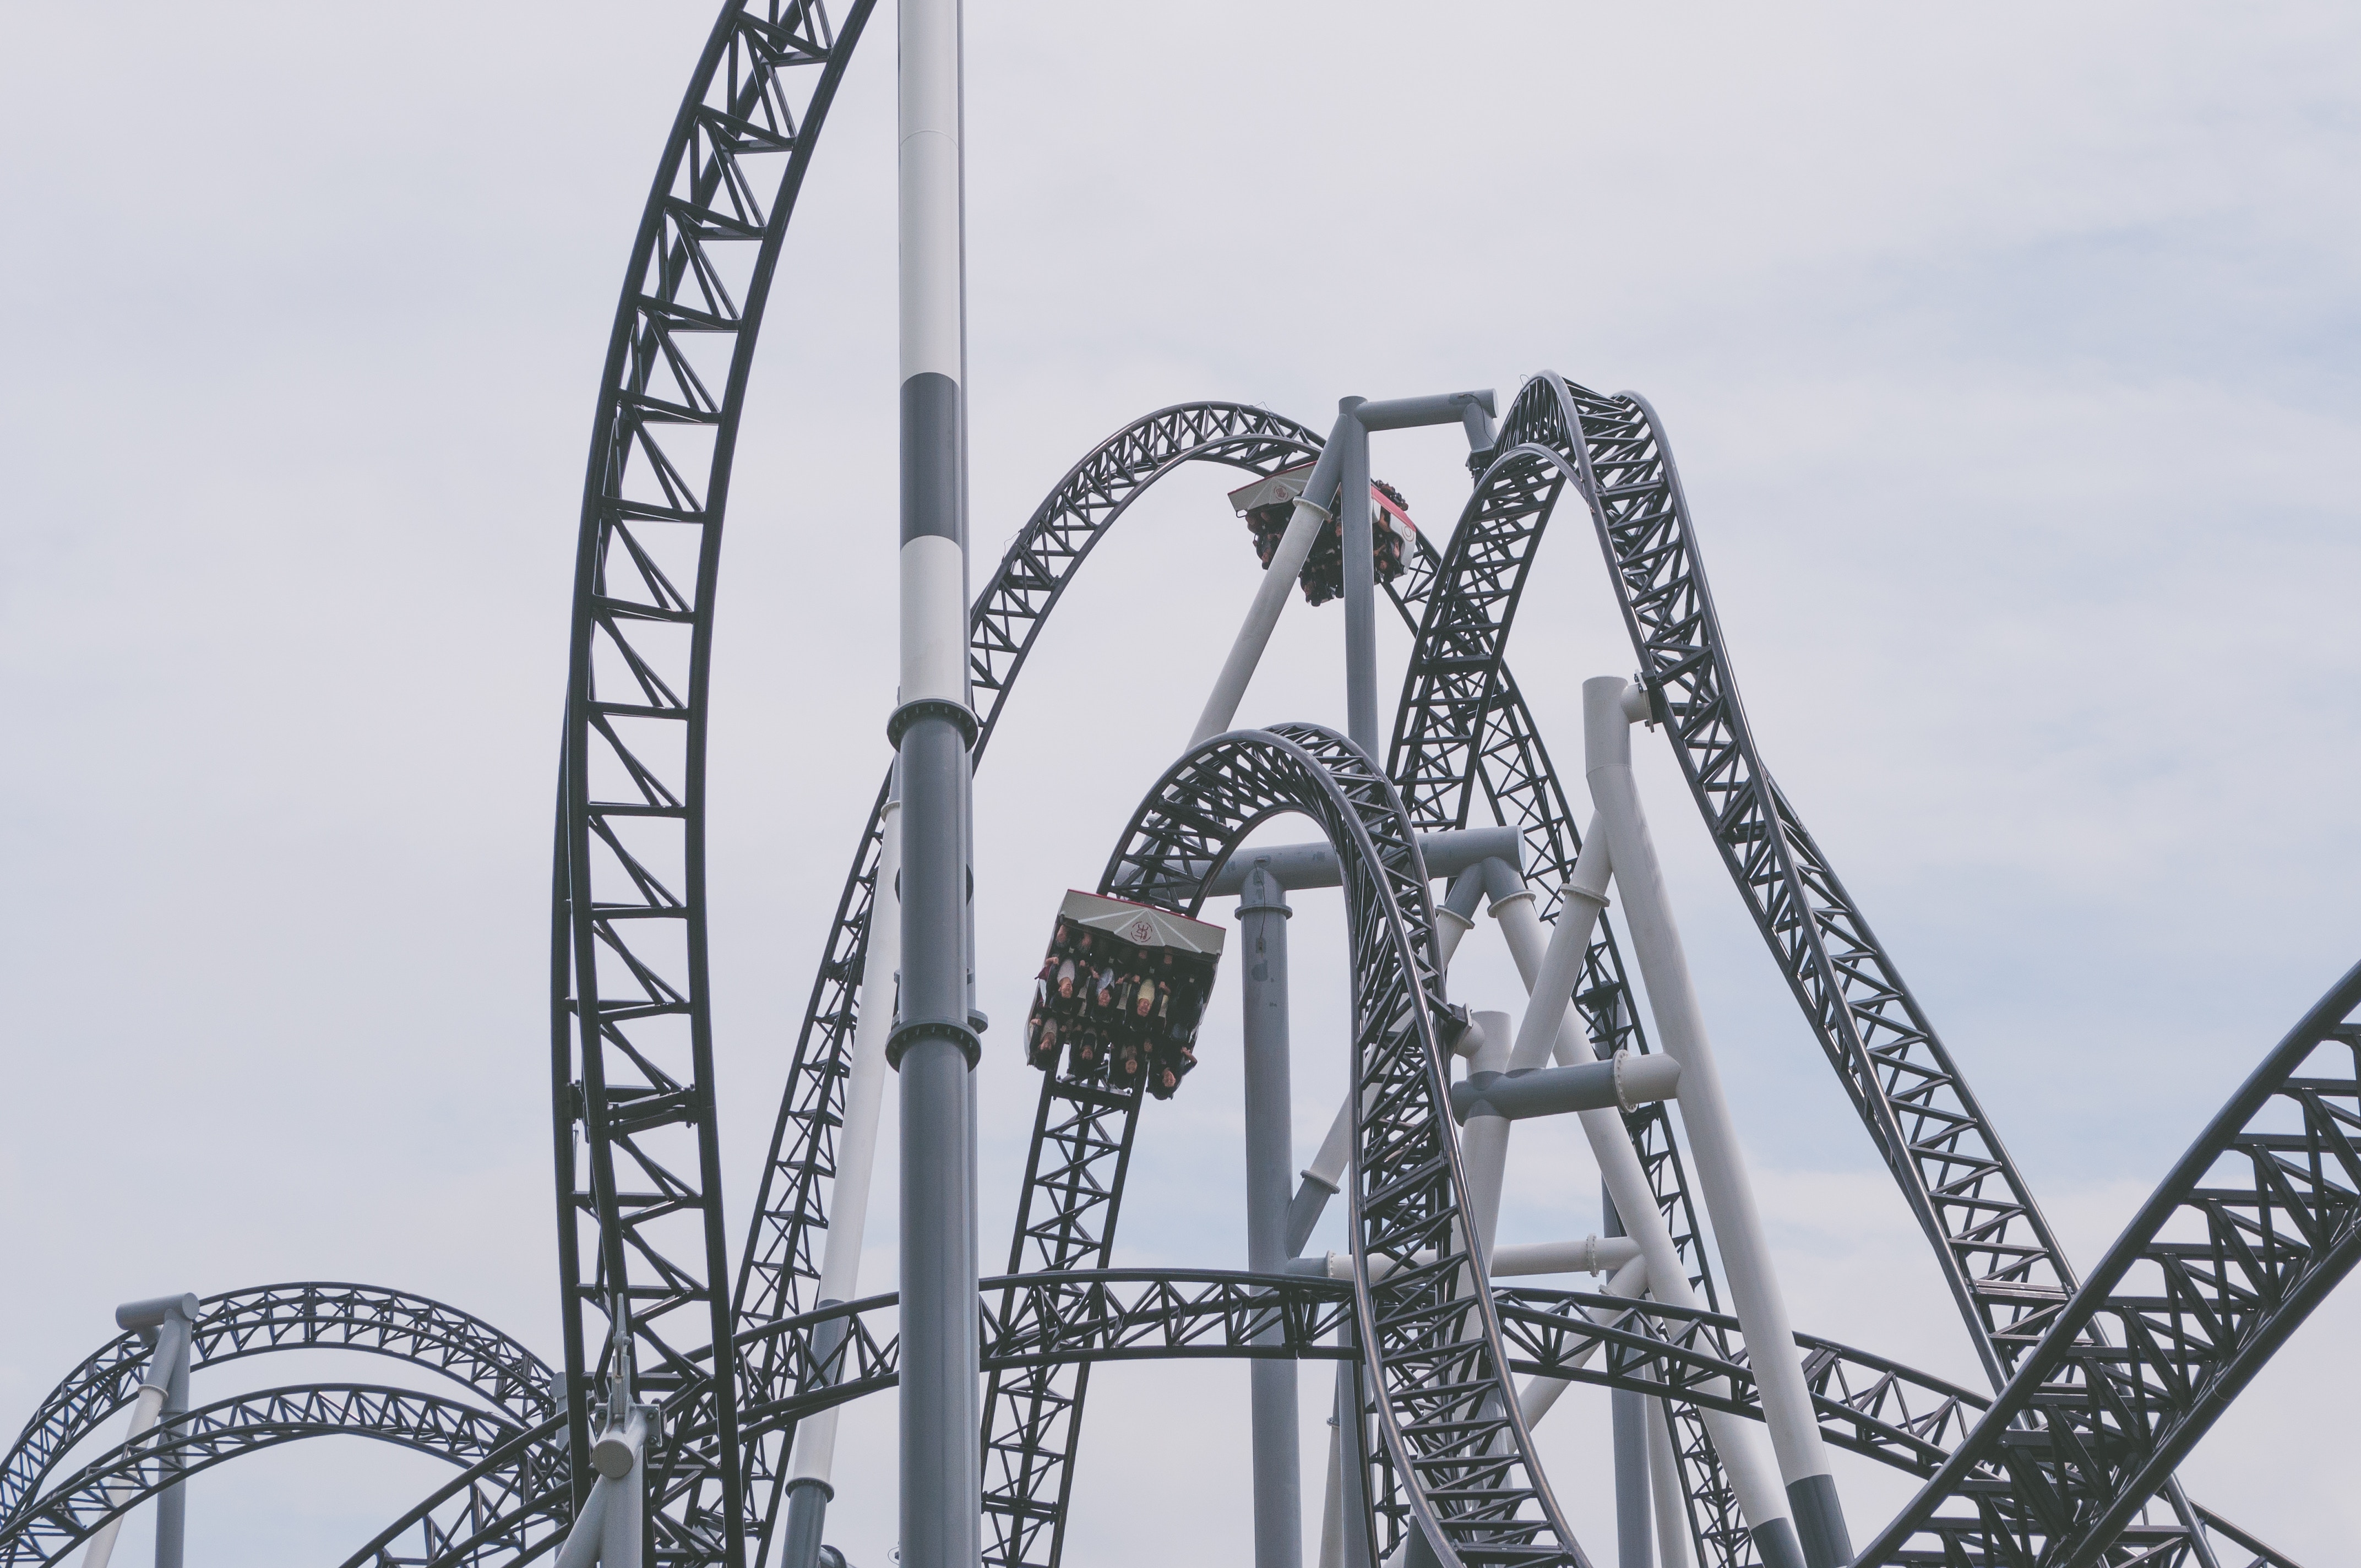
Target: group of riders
column 1122, row 1015
column 1323, row 569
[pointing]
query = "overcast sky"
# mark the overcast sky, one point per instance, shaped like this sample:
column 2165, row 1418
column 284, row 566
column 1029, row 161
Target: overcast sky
column 2009, row 355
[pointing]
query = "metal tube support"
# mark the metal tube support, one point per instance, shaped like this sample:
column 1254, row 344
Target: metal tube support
column 168, row 1323
column 620, row 1457
column 1624, row 1081
column 934, row 1046
column 1453, row 923
column 580, row 1549
column 173, row 1503
column 1752, row 1473
column 1609, row 706
column 1270, row 596
column 1673, row 1542
column 1484, row 1135
column 1628, row 1411
column 810, row 1468
column 1278, row 1465
column 1312, row 515
column 1361, row 577
column 1306, row 866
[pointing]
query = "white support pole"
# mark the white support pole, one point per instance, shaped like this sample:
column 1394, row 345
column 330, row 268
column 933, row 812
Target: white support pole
column 1609, row 706
column 1262, row 616
column 144, row 1411
column 811, row 1465
column 582, row 1542
column 1752, row 1475
column 1673, row 1544
column 618, row 1457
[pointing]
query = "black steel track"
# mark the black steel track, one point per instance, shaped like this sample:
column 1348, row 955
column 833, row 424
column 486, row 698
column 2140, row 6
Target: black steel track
column 2250, row 1232
column 642, row 1243
column 1435, row 1368
column 1993, row 1247
column 1092, row 1141
column 309, row 1315
column 1876, row 1408
column 214, row 1434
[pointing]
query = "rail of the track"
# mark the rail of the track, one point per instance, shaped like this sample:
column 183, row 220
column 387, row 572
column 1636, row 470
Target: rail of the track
column 126, row 1475
column 2250, row 1231
column 309, row 1315
column 1071, row 1227
column 1994, row 1249
column 642, row 1243
column 1453, row 1456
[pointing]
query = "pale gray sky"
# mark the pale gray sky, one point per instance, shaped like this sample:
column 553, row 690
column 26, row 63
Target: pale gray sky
column 2009, row 355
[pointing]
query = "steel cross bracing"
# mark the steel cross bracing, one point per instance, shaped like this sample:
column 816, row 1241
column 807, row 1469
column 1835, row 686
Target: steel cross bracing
column 305, row 1316
column 213, row 1434
column 2252, row 1229
column 640, row 1234
column 1445, row 1407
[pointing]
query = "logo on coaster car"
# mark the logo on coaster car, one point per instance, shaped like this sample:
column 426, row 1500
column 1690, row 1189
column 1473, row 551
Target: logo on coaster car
column 1143, row 930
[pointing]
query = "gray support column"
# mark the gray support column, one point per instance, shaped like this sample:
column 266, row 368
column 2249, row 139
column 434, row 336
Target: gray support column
column 173, row 1505
column 166, row 1323
column 1609, row 707
column 1629, row 1409
column 1278, row 1466
column 1360, row 578
column 934, row 1046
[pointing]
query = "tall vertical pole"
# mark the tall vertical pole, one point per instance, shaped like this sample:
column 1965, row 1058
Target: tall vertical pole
column 1609, row 707
column 172, row 1506
column 1629, row 1413
column 1360, row 578
column 934, row 1046
column 1278, row 1465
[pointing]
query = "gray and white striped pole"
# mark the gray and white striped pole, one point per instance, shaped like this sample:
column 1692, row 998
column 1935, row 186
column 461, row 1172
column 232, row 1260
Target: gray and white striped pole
column 934, row 1046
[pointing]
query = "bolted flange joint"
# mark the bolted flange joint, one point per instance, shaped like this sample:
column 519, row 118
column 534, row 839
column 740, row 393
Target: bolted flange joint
column 910, row 1034
column 909, row 713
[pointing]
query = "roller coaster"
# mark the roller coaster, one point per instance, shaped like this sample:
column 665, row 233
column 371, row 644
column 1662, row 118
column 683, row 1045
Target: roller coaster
column 2097, row 1385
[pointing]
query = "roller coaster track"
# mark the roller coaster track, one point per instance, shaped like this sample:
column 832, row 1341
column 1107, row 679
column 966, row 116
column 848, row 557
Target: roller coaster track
column 214, row 1434
column 1877, row 1407
column 1426, row 1326
column 1995, row 1250
column 2252, row 1229
column 631, row 1022
column 1089, row 1137
column 313, row 1315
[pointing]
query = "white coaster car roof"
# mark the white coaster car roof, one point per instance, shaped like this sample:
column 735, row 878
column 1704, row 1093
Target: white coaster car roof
column 1142, row 924
column 1287, row 484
